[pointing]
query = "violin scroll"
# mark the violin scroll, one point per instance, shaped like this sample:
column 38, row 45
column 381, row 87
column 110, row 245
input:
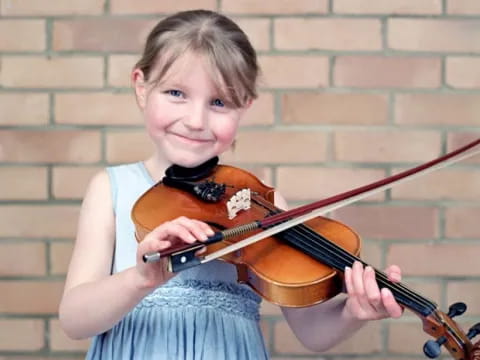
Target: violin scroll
column 449, row 334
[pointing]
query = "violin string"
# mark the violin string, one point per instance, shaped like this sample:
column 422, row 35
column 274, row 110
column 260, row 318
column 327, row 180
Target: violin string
column 344, row 258
column 408, row 295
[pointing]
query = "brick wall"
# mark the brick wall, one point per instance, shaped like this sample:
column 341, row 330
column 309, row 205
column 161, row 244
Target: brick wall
column 352, row 91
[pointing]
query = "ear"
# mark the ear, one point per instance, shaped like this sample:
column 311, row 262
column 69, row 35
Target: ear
column 138, row 80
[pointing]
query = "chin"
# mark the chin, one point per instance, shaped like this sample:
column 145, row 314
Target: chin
column 190, row 162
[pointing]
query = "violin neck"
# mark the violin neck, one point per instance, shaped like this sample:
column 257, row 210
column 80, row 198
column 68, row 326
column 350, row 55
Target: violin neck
column 327, row 252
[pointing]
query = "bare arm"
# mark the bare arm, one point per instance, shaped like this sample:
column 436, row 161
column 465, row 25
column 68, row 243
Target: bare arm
column 93, row 300
column 91, row 303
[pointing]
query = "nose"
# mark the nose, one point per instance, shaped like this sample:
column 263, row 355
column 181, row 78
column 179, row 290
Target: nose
column 196, row 118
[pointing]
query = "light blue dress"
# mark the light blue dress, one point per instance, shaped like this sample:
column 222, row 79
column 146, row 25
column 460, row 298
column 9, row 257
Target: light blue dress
column 202, row 313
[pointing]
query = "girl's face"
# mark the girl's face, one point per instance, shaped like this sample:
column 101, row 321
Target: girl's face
column 185, row 115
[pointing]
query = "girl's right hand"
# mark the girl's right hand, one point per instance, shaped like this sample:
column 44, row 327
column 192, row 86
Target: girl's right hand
column 170, row 233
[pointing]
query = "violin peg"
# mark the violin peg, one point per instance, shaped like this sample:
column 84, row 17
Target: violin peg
column 474, row 331
column 432, row 348
column 456, row 309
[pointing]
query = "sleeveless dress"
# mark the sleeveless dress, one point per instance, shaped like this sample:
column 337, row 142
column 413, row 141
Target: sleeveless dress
column 202, row 313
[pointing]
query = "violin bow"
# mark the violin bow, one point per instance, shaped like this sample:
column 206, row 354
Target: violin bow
column 435, row 323
column 288, row 219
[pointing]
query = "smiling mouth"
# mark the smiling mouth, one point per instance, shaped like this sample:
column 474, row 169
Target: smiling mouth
column 191, row 140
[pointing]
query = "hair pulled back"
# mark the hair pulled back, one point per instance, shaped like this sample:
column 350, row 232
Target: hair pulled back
column 230, row 56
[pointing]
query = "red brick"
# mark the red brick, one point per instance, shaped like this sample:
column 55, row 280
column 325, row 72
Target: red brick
column 22, row 35
column 288, row 343
column 461, row 72
column 371, row 253
column 278, row 147
column 334, row 108
column 313, row 183
column 435, row 259
column 17, row 297
column 103, row 34
column 445, row 184
column 43, row 221
column 23, row 183
column 386, row 146
column 466, row 292
column 429, row 289
column 434, row 35
column 462, row 222
column 402, row 333
column 261, row 112
column 60, row 254
column 31, row 259
column 20, row 109
column 413, row 7
column 21, row 334
column 98, row 109
column 257, row 30
column 158, row 7
column 49, row 146
column 120, row 69
column 463, row 7
column 437, row 109
column 139, row 146
column 350, row 34
column 390, row 222
column 274, row 7
column 288, row 71
column 387, row 71
column 71, row 182
column 265, row 328
column 267, row 308
column 456, row 140
column 56, row 72
column 60, row 342
column 35, row 7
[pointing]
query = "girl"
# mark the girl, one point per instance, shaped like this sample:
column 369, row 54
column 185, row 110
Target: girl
column 193, row 84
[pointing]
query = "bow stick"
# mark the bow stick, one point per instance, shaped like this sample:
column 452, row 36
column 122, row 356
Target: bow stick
column 310, row 211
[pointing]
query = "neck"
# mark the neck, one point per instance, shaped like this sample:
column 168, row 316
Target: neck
column 156, row 166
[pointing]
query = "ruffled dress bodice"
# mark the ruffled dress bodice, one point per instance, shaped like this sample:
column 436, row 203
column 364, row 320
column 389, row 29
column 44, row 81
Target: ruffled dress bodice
column 202, row 313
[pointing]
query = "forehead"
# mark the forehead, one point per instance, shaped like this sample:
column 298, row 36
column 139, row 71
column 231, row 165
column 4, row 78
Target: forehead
column 190, row 65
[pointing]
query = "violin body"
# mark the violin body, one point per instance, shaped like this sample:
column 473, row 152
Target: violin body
column 301, row 265
column 278, row 272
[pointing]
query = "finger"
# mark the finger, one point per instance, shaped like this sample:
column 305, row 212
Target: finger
column 394, row 273
column 348, row 280
column 205, row 228
column 372, row 290
column 391, row 306
column 359, row 287
column 195, row 227
column 178, row 231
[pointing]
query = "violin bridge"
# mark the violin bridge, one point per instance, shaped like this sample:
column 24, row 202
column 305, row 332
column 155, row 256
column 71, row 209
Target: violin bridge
column 184, row 259
column 241, row 200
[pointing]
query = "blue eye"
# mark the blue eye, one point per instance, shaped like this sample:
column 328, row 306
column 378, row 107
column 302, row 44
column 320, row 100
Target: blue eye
column 176, row 93
column 218, row 102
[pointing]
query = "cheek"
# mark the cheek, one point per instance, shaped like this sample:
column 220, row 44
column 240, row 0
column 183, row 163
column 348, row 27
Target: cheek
column 226, row 130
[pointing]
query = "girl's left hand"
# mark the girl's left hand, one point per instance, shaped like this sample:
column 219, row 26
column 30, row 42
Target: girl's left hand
column 365, row 300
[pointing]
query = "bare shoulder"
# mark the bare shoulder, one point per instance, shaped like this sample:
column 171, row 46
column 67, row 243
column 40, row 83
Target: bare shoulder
column 92, row 253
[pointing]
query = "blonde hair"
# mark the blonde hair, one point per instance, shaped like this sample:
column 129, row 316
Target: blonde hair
column 230, row 56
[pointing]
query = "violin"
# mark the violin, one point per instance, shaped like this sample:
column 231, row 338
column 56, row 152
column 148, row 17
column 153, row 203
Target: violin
column 298, row 265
